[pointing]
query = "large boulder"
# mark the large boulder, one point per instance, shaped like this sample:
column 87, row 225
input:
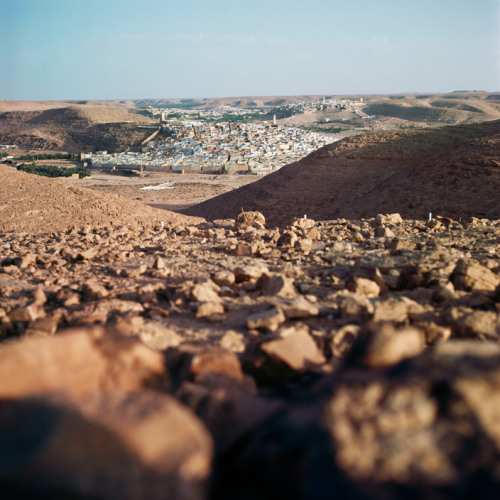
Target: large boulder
column 112, row 446
column 80, row 362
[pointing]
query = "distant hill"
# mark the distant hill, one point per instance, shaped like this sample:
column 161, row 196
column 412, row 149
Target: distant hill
column 450, row 171
column 73, row 127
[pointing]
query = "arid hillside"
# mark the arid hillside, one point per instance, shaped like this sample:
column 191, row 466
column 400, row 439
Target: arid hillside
column 450, row 171
column 33, row 204
column 72, row 126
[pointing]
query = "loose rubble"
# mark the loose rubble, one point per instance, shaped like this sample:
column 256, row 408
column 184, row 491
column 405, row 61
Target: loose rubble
column 331, row 359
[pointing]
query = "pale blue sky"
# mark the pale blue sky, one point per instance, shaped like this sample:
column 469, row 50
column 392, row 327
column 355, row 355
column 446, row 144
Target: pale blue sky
column 118, row 49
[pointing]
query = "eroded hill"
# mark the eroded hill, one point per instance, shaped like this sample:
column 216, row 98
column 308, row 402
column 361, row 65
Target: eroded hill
column 72, row 127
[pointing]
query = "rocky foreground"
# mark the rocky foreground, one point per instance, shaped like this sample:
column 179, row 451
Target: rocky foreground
column 349, row 359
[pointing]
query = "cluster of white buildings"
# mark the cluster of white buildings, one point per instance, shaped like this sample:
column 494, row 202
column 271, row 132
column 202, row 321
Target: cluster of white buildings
column 190, row 145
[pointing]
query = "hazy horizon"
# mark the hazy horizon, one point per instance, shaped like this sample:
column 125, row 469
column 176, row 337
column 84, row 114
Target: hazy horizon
column 153, row 49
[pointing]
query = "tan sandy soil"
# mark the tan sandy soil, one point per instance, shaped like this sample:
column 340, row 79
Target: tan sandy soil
column 188, row 189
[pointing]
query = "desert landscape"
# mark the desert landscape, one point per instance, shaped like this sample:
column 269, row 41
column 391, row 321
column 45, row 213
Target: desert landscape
column 328, row 330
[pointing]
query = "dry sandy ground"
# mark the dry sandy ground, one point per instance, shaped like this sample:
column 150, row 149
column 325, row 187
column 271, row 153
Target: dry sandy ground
column 187, row 190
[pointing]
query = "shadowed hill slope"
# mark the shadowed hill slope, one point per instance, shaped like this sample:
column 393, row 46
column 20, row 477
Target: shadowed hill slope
column 450, row 171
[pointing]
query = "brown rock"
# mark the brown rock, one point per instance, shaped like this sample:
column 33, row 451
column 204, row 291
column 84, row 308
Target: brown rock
column 190, row 362
column 244, row 249
column 112, row 446
column 304, row 245
column 470, row 275
column 355, row 307
column 383, row 232
column 25, row 314
column 278, row 284
column 250, row 219
column 159, row 336
column 392, row 309
column 88, row 254
column 206, row 291
column 288, row 239
column 285, row 357
column 91, row 290
column 364, row 286
column 209, row 309
column 233, row 341
column 300, row 308
column 303, row 224
column 79, row 362
column 224, row 278
column 480, row 324
column 429, row 425
column 159, row 263
column 249, row 272
column 25, row 261
column 343, row 340
column 269, row 320
column 388, row 345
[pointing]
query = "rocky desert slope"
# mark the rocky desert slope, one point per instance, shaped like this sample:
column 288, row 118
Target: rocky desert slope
column 73, row 126
column 350, row 358
column 451, row 171
column 37, row 204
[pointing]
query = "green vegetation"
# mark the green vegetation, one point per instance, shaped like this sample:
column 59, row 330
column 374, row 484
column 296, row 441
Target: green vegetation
column 3, row 155
column 330, row 130
column 53, row 170
column 48, row 156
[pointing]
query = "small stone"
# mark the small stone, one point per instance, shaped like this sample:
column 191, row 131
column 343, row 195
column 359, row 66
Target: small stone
column 383, row 232
column 388, row 345
column 43, row 326
column 189, row 362
column 92, row 290
column 137, row 272
column 304, row 245
column 288, row 239
column 355, row 307
column 224, row 278
column 364, row 286
column 470, row 275
column 245, row 249
column 159, row 263
column 249, row 272
column 300, row 308
column 250, row 219
column 480, row 324
column 278, row 284
column 343, row 339
column 24, row 314
column 233, row 341
column 88, row 254
column 206, row 292
column 158, row 336
column 209, row 309
column 286, row 357
column 269, row 320
column 25, row 261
